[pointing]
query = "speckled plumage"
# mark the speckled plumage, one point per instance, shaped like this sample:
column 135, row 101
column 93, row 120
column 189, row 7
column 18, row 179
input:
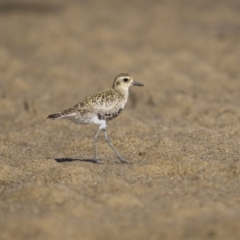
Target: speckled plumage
column 101, row 107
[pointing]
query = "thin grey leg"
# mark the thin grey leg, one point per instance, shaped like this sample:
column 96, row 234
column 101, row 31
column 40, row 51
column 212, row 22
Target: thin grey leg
column 112, row 147
column 95, row 145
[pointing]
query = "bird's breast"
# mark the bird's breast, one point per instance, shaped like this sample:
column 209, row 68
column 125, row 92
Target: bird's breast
column 110, row 115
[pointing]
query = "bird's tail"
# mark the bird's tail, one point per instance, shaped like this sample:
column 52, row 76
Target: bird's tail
column 54, row 116
column 63, row 114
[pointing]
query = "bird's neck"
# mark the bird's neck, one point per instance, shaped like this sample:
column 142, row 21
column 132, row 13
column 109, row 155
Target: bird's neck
column 122, row 90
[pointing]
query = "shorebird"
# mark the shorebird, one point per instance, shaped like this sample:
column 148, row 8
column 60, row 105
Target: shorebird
column 101, row 108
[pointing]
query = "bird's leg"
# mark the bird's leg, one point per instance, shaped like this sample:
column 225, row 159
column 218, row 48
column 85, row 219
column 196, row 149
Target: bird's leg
column 112, row 147
column 96, row 146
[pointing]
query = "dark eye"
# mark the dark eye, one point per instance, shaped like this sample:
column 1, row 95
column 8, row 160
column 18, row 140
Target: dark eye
column 125, row 79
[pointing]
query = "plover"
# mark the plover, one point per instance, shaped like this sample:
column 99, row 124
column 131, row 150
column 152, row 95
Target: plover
column 101, row 108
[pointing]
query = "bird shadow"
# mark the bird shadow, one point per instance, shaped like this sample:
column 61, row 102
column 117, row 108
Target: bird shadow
column 62, row 160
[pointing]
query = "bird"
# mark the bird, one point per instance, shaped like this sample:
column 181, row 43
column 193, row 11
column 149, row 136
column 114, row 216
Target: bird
column 101, row 108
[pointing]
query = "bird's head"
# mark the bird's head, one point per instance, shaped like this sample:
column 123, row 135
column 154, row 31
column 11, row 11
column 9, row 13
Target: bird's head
column 123, row 81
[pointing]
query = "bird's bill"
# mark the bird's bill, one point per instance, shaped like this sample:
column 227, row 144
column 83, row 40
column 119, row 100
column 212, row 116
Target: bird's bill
column 137, row 84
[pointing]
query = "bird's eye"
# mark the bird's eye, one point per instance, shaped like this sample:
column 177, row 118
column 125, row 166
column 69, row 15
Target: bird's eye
column 125, row 79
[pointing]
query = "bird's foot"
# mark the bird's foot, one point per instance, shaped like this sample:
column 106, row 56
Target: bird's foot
column 122, row 159
column 98, row 161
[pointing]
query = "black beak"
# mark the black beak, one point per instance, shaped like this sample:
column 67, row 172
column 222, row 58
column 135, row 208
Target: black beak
column 137, row 84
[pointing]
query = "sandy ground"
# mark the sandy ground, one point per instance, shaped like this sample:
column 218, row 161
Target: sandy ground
column 180, row 133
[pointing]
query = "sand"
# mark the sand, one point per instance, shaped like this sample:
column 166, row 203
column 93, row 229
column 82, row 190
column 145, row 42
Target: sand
column 180, row 133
